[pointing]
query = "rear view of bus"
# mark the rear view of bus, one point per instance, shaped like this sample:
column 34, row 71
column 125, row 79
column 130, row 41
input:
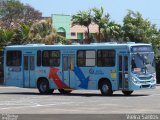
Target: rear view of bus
column 143, row 74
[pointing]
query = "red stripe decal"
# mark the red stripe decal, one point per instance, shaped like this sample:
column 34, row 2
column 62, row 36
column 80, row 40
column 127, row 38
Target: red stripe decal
column 53, row 74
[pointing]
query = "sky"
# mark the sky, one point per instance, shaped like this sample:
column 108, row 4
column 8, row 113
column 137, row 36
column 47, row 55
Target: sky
column 150, row 9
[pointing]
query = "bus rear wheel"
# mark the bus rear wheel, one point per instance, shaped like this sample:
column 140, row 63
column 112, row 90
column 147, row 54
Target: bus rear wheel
column 43, row 87
column 127, row 93
column 63, row 91
column 106, row 88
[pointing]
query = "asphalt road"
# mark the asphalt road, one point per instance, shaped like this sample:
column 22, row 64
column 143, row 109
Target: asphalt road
column 29, row 101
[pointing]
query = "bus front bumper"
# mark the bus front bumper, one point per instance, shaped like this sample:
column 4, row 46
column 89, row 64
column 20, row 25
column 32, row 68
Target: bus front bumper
column 139, row 86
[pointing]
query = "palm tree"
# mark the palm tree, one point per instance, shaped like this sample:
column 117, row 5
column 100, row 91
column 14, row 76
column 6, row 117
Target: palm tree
column 113, row 31
column 5, row 37
column 21, row 34
column 83, row 18
column 42, row 32
column 100, row 19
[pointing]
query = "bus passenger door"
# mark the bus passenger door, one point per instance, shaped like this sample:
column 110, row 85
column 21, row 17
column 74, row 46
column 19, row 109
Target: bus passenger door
column 68, row 66
column 29, row 70
column 123, row 71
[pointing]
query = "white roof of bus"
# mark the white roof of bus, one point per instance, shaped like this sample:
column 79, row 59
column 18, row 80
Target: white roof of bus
column 78, row 45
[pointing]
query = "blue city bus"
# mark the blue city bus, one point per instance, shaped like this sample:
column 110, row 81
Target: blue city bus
column 107, row 67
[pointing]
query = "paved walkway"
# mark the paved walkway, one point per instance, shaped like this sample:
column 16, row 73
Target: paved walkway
column 29, row 101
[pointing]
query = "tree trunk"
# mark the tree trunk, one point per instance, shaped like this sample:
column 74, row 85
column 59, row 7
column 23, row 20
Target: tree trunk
column 88, row 38
column 99, row 35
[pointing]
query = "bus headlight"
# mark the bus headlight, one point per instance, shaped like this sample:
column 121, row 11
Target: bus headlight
column 135, row 80
column 154, row 76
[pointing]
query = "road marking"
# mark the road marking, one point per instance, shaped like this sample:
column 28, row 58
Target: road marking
column 22, row 104
column 36, row 105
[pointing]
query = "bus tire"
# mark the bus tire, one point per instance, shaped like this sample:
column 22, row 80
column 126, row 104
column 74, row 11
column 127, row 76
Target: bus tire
column 106, row 88
column 127, row 93
column 63, row 91
column 50, row 91
column 43, row 86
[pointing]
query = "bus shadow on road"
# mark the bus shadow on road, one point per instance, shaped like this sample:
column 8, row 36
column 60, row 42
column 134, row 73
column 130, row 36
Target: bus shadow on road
column 71, row 94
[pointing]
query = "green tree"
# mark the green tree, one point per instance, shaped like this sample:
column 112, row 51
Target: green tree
column 42, row 32
column 39, row 32
column 10, row 12
column 100, row 19
column 83, row 18
column 155, row 41
column 21, row 34
column 30, row 15
column 5, row 37
column 136, row 28
column 13, row 12
column 113, row 32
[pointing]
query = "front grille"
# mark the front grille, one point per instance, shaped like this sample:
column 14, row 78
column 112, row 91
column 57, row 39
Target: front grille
column 144, row 82
column 145, row 78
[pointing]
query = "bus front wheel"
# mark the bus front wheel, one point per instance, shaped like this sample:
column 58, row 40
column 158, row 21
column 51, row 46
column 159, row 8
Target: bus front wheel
column 106, row 88
column 127, row 93
column 43, row 87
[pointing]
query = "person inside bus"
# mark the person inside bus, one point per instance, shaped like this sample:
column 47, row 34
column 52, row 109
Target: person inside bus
column 133, row 64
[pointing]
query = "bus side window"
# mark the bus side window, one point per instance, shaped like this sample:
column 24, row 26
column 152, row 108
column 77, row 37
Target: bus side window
column 106, row 58
column 86, row 58
column 51, row 58
column 81, row 58
column 45, row 60
column 39, row 58
column 13, row 58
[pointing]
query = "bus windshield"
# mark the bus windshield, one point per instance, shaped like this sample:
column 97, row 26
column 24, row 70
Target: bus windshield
column 143, row 63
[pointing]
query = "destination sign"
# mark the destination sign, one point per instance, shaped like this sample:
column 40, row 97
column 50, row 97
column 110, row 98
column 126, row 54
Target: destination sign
column 141, row 49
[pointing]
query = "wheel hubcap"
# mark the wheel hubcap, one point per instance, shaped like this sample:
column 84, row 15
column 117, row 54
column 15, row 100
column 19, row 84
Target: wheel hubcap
column 43, row 87
column 105, row 88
